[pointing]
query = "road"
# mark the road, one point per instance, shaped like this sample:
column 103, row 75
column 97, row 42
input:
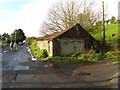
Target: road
column 13, row 58
column 18, row 71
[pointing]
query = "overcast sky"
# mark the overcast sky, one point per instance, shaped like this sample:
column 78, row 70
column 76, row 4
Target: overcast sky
column 29, row 14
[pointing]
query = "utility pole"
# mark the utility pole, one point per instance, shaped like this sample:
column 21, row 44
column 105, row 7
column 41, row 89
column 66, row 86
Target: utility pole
column 15, row 36
column 103, row 39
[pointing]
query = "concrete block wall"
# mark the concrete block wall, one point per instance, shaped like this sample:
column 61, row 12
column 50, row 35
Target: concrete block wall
column 69, row 46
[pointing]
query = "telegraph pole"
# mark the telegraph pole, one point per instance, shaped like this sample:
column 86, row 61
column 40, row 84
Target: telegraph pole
column 15, row 36
column 103, row 39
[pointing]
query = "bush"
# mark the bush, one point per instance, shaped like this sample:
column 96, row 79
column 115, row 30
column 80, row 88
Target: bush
column 37, row 52
column 4, row 42
column 107, row 55
column 43, row 53
column 89, row 56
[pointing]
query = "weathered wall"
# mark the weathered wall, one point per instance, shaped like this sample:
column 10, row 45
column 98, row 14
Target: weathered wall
column 50, row 48
column 88, row 43
column 62, row 47
column 70, row 46
column 48, row 45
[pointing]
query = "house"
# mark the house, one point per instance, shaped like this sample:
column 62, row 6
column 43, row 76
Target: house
column 73, row 40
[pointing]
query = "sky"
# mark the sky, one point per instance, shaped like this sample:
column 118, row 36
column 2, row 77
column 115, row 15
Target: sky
column 29, row 14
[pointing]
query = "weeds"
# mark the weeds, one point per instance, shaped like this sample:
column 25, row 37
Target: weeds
column 37, row 52
column 87, row 56
column 4, row 42
column 117, row 62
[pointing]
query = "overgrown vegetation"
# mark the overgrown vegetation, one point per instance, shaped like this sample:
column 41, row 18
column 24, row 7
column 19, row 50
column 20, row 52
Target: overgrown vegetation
column 4, row 42
column 116, row 62
column 114, row 80
column 37, row 52
column 89, row 56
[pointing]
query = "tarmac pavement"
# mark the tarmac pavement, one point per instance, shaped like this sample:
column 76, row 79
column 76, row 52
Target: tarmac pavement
column 22, row 72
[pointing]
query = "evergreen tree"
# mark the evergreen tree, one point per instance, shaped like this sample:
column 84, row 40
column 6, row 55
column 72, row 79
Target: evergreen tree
column 18, row 36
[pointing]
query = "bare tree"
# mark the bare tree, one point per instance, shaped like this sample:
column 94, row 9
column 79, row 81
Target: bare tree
column 65, row 15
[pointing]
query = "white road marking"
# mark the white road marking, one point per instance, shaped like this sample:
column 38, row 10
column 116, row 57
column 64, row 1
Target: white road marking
column 21, row 67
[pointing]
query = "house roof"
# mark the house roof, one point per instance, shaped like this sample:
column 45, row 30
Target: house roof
column 57, row 34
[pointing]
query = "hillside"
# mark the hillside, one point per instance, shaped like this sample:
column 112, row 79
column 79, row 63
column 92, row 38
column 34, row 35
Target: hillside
column 109, row 30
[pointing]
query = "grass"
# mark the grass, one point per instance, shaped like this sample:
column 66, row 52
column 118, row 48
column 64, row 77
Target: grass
column 114, row 79
column 116, row 62
column 109, row 30
column 66, row 59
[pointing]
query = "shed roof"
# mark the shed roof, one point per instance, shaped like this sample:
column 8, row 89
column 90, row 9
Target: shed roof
column 54, row 35
column 57, row 34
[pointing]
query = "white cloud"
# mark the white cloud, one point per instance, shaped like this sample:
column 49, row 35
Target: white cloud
column 30, row 15
column 28, row 18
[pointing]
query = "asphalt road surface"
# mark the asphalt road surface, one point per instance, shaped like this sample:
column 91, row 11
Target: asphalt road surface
column 18, row 71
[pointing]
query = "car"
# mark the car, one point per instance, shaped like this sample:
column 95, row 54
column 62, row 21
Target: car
column 24, row 41
column 20, row 43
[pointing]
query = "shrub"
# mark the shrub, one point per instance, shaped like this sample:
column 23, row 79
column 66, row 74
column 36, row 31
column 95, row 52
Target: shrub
column 37, row 52
column 40, row 53
column 89, row 56
column 4, row 42
column 43, row 53
column 107, row 55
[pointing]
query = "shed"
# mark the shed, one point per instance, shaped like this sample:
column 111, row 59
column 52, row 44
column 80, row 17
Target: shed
column 73, row 40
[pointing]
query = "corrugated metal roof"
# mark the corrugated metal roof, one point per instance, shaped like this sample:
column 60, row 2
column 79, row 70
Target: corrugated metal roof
column 56, row 34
